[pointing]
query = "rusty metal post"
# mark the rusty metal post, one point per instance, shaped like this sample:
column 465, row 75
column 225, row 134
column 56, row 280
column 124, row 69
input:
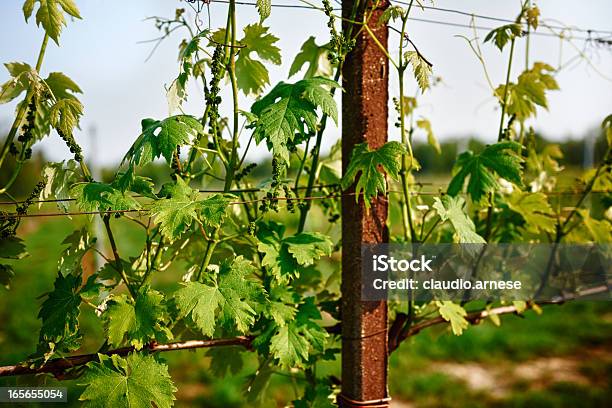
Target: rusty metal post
column 364, row 119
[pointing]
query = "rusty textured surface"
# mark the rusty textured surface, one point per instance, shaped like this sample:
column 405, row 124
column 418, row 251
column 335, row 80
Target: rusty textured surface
column 364, row 119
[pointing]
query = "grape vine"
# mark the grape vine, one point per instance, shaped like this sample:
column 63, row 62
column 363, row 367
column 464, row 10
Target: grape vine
column 244, row 275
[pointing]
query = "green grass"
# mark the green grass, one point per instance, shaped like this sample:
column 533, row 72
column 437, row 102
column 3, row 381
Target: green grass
column 561, row 395
column 559, row 330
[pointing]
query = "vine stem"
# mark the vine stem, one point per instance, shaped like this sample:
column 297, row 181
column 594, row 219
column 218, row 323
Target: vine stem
column 312, row 177
column 477, row 316
column 505, row 97
column 406, row 205
column 148, row 274
column 118, row 263
column 24, row 106
column 527, row 40
column 232, row 73
column 231, row 168
column 58, row 365
column 587, row 190
column 561, row 232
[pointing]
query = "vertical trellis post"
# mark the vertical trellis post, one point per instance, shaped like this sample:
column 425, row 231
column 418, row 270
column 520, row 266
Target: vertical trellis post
column 364, row 119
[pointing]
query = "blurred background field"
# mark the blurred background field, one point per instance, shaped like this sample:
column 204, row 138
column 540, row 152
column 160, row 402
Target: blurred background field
column 561, row 358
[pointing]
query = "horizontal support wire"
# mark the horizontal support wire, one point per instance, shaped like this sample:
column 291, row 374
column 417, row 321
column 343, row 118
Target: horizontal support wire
column 5, row 216
column 589, row 31
column 503, row 20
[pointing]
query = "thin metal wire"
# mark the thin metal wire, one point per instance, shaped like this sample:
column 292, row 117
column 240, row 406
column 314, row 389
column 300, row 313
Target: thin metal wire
column 503, row 20
column 143, row 210
column 316, row 187
column 259, row 200
column 212, row 191
column 589, row 31
column 485, row 28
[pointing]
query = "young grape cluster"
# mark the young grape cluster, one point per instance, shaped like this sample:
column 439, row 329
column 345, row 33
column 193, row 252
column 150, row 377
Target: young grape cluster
column 340, row 45
column 9, row 223
column 72, row 145
column 239, row 176
column 27, row 131
column 213, row 100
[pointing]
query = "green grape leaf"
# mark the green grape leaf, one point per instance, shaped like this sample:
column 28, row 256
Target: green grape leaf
column 201, row 301
column 292, row 108
column 62, row 110
column 535, row 210
column 314, row 57
column 6, row 274
column 280, row 312
column 499, row 159
column 306, row 247
column 176, row 94
column 143, row 186
column 79, row 243
column 21, row 76
column 431, row 137
column 291, row 344
column 96, row 196
column 58, row 178
column 256, row 392
column 65, row 114
column 321, row 396
column 142, row 320
column 136, row 184
column 455, row 314
column 285, row 257
column 233, row 297
column 279, row 261
column 138, row 381
column 369, row 163
column 501, row 35
column 391, row 13
column 50, row 15
column 12, row 248
column 264, row 7
column 451, row 209
column 161, row 138
column 421, row 68
column 529, row 92
column 281, row 305
column 532, row 16
column 91, row 288
column 213, row 209
column 599, row 231
column 225, row 360
column 176, row 213
column 252, row 75
column 60, row 310
column 61, row 86
column 409, row 104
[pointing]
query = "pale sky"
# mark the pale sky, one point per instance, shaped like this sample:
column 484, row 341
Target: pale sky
column 101, row 53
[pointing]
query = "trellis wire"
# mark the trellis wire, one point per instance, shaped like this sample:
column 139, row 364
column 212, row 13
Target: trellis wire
column 7, row 216
column 316, row 187
column 589, row 31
